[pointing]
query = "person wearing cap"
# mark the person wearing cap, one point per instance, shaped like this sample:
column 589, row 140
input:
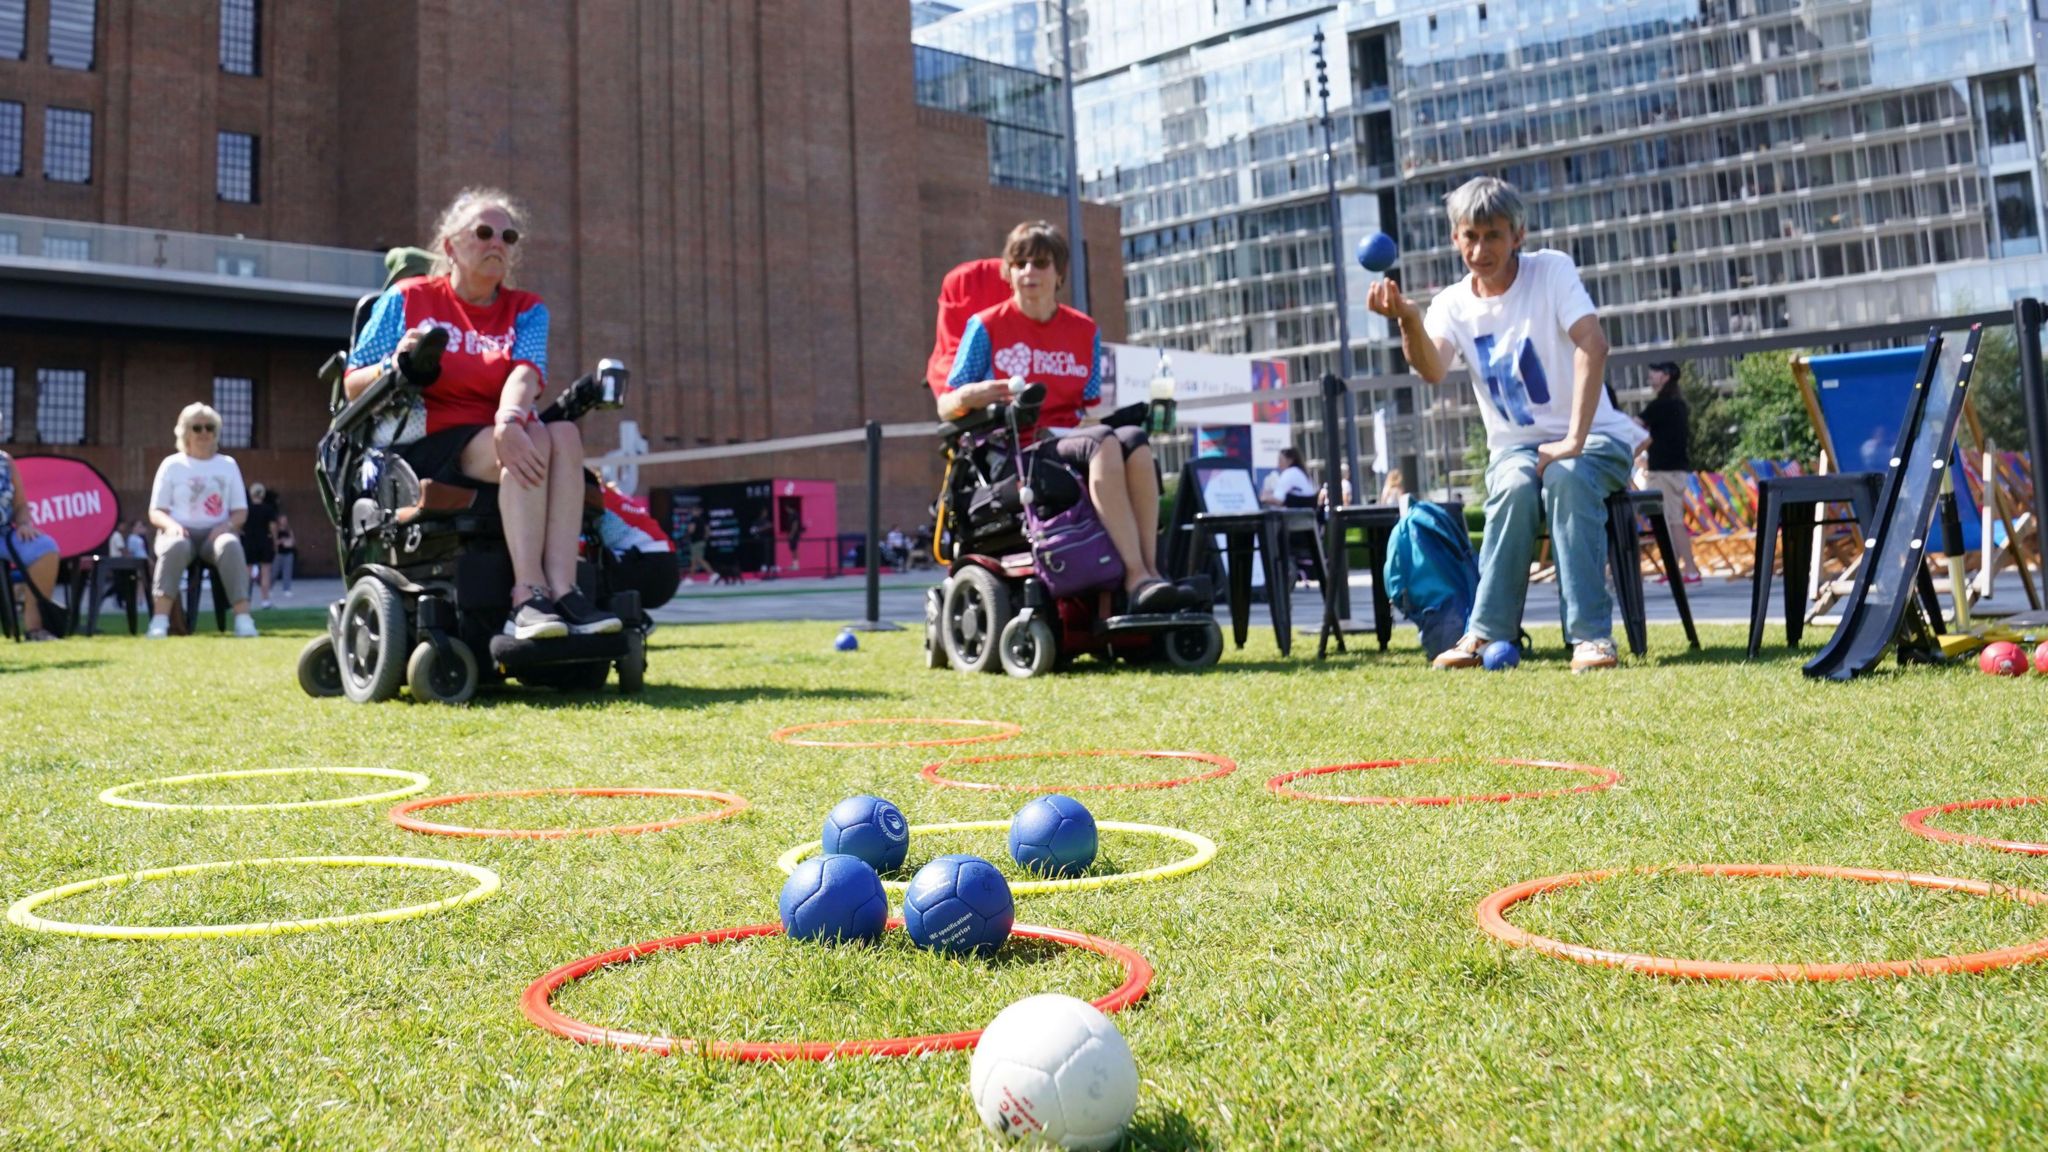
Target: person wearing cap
column 1669, row 423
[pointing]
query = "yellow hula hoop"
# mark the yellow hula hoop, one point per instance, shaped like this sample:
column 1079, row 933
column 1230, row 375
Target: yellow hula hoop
column 22, row 912
column 1205, row 851
column 415, row 783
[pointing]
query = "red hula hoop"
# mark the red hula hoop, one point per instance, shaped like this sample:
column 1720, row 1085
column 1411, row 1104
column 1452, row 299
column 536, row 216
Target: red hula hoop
column 536, row 1003
column 1916, row 823
column 1004, row 731
column 1224, row 767
column 1494, row 923
column 402, row 815
column 1604, row 778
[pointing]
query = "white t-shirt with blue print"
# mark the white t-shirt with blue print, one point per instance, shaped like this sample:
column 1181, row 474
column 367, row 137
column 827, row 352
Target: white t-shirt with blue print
column 1519, row 351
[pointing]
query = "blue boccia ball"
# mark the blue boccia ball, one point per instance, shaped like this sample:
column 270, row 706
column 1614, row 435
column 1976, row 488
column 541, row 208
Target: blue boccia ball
column 847, row 642
column 1053, row 836
column 1378, row 252
column 959, row 904
column 835, row 899
column 1500, row 656
column 868, row 828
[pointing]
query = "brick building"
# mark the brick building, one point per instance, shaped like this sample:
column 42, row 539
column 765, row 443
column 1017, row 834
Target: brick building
column 739, row 198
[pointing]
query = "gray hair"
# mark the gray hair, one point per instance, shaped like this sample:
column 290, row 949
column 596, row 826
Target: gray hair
column 193, row 413
column 1485, row 198
column 461, row 213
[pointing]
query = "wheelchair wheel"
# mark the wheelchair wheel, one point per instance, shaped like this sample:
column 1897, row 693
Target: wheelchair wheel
column 977, row 607
column 373, row 647
column 934, row 641
column 319, row 672
column 1028, row 648
column 444, row 681
column 633, row 665
column 1198, row 647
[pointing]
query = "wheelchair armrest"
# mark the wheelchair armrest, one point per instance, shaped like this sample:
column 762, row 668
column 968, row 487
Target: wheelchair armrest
column 387, row 389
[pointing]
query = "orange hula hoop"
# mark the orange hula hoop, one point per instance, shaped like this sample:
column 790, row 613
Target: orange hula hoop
column 1004, row 731
column 1916, row 823
column 1224, row 767
column 732, row 805
column 1493, row 921
column 1604, row 778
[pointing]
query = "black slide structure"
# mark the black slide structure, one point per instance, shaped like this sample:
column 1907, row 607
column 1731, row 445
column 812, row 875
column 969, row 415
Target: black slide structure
column 1881, row 610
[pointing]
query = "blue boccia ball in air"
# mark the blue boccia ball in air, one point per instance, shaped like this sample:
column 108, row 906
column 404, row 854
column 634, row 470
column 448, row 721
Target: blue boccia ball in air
column 1500, row 656
column 869, row 828
column 835, row 899
column 959, row 904
column 1053, row 836
column 1378, row 252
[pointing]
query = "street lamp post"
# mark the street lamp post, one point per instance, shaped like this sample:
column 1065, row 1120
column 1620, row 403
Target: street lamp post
column 1077, row 241
column 1344, row 367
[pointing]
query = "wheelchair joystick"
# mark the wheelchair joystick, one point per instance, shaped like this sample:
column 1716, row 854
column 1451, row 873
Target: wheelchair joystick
column 422, row 365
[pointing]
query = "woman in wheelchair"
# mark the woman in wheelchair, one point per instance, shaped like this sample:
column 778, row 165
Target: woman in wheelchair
column 481, row 421
column 1034, row 337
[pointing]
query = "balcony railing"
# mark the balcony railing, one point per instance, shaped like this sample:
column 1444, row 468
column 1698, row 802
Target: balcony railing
column 193, row 259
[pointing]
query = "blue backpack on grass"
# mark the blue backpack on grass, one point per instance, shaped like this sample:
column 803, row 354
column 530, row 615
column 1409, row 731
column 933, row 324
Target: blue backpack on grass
column 1432, row 577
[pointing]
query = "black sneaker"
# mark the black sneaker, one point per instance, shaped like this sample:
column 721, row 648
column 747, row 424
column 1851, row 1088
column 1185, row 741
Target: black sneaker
column 537, row 619
column 585, row 618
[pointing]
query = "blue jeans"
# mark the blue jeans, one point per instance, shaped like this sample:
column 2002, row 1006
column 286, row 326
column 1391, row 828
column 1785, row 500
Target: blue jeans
column 1570, row 495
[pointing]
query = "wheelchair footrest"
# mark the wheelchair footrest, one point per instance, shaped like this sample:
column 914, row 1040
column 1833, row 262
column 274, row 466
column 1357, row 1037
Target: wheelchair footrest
column 1156, row 621
column 515, row 655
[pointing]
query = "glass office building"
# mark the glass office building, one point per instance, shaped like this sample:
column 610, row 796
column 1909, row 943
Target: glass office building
column 1026, row 133
column 1718, row 168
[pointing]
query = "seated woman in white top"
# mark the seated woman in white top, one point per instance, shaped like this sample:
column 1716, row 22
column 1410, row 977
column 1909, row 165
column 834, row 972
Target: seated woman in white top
column 198, row 504
column 1290, row 480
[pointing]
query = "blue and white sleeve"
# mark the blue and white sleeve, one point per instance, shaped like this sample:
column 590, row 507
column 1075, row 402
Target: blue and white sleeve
column 974, row 361
column 379, row 338
column 530, row 339
column 1091, row 392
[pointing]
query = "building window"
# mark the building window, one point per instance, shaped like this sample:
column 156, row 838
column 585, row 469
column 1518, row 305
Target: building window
column 6, row 405
column 238, row 38
column 67, row 247
column 2019, row 230
column 234, row 397
column 235, row 171
column 60, row 406
column 13, row 29
column 10, row 138
column 2005, row 117
column 71, row 33
column 67, row 145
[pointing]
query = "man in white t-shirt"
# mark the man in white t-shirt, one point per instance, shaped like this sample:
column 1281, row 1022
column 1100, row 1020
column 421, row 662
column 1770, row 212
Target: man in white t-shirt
column 1528, row 334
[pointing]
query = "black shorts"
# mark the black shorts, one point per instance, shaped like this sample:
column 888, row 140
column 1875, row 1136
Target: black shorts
column 437, row 456
column 1078, row 447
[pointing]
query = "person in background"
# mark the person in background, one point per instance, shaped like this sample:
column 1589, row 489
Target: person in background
column 699, row 533
column 1289, row 485
column 1669, row 461
column 259, row 538
column 287, row 555
column 1525, row 326
column 646, row 558
column 1395, row 487
column 896, row 548
column 198, row 505
column 28, row 548
column 138, row 539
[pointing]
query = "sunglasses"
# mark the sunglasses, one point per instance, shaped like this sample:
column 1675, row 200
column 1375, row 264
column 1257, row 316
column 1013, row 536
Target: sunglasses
column 484, row 232
column 1039, row 262
column 205, row 428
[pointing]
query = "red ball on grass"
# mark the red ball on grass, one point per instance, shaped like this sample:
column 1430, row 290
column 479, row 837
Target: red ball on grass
column 2003, row 658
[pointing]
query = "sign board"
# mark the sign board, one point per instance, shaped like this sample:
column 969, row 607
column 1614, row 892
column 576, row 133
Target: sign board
column 69, row 501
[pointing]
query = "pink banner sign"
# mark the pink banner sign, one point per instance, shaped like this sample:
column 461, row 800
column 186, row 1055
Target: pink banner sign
column 70, row 501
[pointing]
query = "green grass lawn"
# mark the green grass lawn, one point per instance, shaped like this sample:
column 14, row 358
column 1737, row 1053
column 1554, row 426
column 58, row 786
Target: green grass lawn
column 1322, row 984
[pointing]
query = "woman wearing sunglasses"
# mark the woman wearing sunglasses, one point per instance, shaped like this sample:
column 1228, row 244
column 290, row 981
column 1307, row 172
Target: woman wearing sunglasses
column 198, row 504
column 1035, row 337
column 481, row 409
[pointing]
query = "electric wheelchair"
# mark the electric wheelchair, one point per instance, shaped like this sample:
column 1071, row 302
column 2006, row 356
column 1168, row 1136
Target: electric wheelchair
column 993, row 610
column 428, row 574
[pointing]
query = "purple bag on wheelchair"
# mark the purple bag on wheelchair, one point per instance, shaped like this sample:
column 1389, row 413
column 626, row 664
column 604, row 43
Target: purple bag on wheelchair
column 1073, row 551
